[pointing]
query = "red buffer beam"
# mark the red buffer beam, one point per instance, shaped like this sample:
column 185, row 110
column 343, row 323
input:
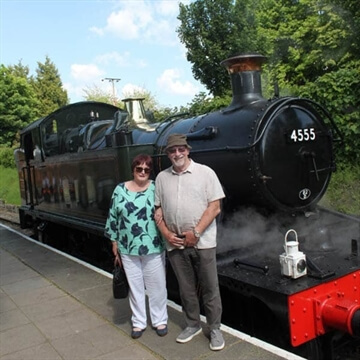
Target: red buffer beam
column 329, row 306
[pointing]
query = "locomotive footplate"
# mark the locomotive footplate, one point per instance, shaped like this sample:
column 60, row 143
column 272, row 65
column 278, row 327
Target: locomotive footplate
column 240, row 266
column 308, row 306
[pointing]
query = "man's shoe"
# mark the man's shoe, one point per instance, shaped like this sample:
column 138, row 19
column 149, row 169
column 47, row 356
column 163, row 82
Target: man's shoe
column 163, row 331
column 188, row 333
column 216, row 340
column 135, row 334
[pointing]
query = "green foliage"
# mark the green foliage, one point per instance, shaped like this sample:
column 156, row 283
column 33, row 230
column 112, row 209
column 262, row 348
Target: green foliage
column 339, row 92
column 20, row 70
column 18, row 105
column 349, row 10
column 210, row 31
column 23, row 99
column 48, row 88
column 94, row 93
column 343, row 193
column 202, row 104
column 150, row 103
column 9, row 186
column 7, row 157
column 164, row 113
column 306, row 39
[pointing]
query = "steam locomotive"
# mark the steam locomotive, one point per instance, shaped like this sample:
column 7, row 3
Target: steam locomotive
column 289, row 269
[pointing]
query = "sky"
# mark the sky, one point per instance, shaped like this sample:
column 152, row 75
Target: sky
column 90, row 41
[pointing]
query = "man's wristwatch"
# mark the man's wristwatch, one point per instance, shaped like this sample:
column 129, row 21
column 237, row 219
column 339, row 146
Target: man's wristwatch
column 196, row 234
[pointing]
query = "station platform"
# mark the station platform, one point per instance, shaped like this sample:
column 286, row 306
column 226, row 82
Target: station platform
column 56, row 307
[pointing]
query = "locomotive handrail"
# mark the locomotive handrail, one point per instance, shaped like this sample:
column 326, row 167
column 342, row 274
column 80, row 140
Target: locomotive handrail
column 225, row 148
column 170, row 119
column 264, row 268
column 329, row 118
column 208, row 132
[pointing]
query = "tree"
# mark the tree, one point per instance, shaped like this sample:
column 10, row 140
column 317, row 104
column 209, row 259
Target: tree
column 213, row 31
column 150, row 102
column 151, row 105
column 18, row 105
column 314, row 52
column 339, row 92
column 20, row 70
column 48, row 87
column 96, row 94
column 349, row 10
column 307, row 39
column 202, row 104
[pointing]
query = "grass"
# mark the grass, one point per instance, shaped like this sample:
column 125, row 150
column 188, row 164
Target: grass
column 342, row 195
column 9, row 186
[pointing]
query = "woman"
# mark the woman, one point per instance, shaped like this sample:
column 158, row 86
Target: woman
column 138, row 246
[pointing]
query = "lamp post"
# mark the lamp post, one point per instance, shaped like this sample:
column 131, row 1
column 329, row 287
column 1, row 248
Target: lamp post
column 112, row 80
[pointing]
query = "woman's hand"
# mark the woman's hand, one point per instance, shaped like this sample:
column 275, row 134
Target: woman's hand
column 175, row 240
column 117, row 260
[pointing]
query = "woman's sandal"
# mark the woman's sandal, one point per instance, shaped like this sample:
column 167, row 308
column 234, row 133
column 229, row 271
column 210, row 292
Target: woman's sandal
column 135, row 334
column 163, row 331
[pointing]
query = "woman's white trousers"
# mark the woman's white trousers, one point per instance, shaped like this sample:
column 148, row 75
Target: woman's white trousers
column 146, row 276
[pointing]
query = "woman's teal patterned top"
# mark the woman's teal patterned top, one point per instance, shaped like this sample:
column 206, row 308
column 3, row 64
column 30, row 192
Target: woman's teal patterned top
column 131, row 221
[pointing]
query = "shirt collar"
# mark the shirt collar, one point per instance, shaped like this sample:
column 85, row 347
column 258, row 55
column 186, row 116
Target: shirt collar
column 189, row 169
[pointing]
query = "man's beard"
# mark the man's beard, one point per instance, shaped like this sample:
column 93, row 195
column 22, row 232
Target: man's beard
column 180, row 162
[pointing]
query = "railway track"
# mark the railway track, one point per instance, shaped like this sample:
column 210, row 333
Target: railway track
column 9, row 216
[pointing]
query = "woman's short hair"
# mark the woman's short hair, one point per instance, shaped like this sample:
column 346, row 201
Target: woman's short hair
column 140, row 159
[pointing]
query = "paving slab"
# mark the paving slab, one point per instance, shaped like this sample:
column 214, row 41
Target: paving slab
column 56, row 307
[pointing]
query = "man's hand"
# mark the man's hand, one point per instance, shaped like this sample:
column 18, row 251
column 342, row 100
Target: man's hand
column 158, row 216
column 190, row 239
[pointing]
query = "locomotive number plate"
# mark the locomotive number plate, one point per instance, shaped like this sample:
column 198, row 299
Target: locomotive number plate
column 301, row 135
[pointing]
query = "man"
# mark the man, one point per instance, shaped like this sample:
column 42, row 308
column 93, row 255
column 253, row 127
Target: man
column 189, row 196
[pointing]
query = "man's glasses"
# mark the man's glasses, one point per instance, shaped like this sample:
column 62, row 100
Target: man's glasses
column 180, row 149
column 140, row 169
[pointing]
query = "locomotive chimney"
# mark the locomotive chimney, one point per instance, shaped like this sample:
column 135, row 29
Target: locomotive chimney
column 245, row 77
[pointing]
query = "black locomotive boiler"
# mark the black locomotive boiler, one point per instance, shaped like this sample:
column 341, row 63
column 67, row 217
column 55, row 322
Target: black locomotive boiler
column 289, row 270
